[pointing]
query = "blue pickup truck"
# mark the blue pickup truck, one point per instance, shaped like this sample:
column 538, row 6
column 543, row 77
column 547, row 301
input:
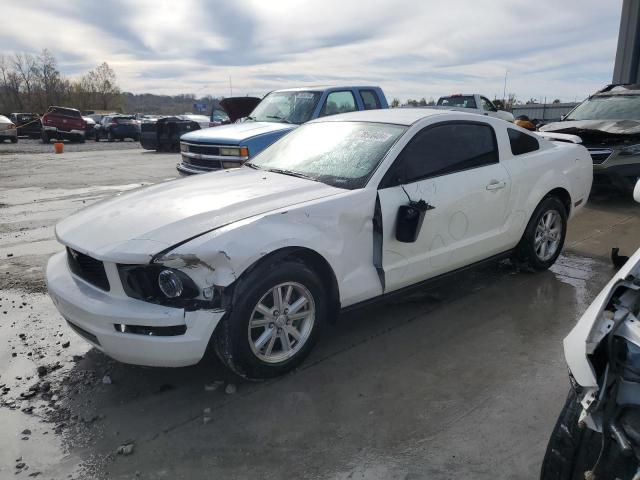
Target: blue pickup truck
column 279, row 112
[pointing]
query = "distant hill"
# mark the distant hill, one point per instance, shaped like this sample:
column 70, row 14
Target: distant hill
column 149, row 103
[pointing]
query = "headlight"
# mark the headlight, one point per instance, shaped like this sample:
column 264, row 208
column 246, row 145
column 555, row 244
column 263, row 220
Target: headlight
column 631, row 150
column 170, row 283
column 234, row 152
column 157, row 284
column 184, row 147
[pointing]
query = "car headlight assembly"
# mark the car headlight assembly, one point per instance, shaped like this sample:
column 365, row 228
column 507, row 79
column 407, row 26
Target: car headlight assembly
column 157, row 284
column 242, row 152
column 631, row 150
column 184, row 147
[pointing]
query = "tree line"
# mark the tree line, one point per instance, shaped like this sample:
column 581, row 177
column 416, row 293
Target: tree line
column 31, row 83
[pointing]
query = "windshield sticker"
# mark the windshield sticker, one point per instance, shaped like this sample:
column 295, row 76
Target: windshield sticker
column 304, row 96
column 372, row 136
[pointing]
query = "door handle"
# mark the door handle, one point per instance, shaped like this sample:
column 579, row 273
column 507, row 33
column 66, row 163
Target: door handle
column 496, row 185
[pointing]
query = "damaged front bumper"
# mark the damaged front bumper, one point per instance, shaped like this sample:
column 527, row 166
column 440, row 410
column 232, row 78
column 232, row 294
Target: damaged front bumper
column 130, row 330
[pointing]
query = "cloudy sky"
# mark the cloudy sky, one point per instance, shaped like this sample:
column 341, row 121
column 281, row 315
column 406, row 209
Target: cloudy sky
column 422, row 48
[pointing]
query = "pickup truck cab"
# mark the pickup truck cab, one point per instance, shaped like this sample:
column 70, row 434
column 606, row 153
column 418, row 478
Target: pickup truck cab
column 229, row 146
column 63, row 123
column 473, row 103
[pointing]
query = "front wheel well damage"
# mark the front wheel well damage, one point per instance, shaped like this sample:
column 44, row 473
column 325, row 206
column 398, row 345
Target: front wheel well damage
column 311, row 259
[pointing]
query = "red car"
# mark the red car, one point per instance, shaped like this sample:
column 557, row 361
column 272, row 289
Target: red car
column 63, row 123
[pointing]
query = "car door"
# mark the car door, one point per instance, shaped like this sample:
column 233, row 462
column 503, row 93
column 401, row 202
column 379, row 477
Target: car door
column 454, row 168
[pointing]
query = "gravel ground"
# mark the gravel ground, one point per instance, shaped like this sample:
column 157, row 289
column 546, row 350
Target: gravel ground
column 29, row 145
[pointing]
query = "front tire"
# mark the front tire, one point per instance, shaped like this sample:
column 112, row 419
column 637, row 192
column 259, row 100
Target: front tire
column 45, row 137
column 110, row 137
column 544, row 236
column 572, row 450
column 277, row 315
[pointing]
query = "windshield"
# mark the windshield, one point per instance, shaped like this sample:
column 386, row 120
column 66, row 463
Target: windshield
column 610, row 107
column 341, row 154
column 286, row 107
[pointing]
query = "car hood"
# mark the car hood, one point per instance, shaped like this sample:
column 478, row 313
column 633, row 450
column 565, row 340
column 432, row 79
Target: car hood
column 235, row 133
column 576, row 127
column 133, row 227
column 238, row 107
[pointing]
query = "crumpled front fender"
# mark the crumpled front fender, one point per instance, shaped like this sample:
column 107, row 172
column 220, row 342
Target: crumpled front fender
column 339, row 229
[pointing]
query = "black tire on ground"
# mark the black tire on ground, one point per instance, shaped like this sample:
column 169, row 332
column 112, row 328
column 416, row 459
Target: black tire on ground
column 526, row 249
column 110, row 136
column 96, row 136
column 136, row 138
column 231, row 341
column 81, row 139
column 121, row 139
column 14, row 139
column 572, row 450
column 45, row 137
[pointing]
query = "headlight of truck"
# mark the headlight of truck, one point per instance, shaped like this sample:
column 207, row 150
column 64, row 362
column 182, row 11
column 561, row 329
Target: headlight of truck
column 157, row 284
column 234, row 152
column 184, row 147
column 631, row 150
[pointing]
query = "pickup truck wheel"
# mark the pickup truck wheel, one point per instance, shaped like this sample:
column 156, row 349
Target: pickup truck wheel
column 544, row 236
column 45, row 137
column 97, row 136
column 81, row 139
column 572, row 450
column 14, row 139
column 276, row 317
column 110, row 137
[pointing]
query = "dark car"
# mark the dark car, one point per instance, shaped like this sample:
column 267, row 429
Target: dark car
column 28, row 124
column 608, row 122
column 118, row 127
column 163, row 134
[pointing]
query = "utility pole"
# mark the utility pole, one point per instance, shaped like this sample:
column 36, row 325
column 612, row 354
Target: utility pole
column 504, row 91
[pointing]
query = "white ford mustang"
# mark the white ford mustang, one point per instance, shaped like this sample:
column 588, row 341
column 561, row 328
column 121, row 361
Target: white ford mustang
column 343, row 210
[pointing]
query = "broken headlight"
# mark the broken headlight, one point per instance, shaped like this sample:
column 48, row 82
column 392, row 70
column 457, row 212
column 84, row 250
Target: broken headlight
column 157, row 284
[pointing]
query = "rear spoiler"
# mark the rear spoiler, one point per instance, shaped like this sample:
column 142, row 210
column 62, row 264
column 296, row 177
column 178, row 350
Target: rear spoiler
column 560, row 137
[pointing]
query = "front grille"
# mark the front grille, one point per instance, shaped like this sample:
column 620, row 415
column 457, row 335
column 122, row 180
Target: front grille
column 83, row 333
column 87, row 268
column 203, row 149
column 198, row 162
column 599, row 155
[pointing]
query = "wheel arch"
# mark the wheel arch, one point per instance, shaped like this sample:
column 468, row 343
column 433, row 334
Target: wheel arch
column 561, row 194
column 311, row 259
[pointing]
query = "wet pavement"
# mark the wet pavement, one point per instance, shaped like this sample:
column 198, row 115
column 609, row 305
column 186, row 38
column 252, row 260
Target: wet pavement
column 463, row 380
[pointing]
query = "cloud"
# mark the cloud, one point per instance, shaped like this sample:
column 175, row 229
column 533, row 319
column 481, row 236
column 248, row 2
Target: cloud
column 410, row 48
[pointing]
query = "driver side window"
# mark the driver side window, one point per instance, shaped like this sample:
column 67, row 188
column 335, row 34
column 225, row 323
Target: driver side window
column 443, row 149
column 338, row 102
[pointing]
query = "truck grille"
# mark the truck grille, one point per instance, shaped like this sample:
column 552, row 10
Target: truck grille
column 87, row 268
column 198, row 162
column 599, row 155
column 203, row 149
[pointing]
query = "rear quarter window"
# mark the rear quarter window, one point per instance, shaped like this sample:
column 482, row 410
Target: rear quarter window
column 369, row 99
column 521, row 142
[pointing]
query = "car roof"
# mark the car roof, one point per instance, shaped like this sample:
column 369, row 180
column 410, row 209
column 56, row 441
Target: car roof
column 619, row 89
column 399, row 116
column 322, row 88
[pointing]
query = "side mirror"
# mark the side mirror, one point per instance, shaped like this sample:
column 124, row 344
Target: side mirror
column 636, row 192
column 562, row 117
column 409, row 220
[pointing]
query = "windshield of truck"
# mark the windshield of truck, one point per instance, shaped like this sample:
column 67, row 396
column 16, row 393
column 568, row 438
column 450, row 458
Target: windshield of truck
column 286, row 107
column 607, row 107
column 340, row 154
column 458, row 101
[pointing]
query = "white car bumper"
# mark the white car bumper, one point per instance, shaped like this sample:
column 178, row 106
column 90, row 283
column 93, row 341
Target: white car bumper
column 94, row 314
column 8, row 133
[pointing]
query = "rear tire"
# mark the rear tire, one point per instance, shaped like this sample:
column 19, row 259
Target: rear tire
column 110, row 136
column 45, row 137
column 544, row 236
column 14, row 139
column 260, row 350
